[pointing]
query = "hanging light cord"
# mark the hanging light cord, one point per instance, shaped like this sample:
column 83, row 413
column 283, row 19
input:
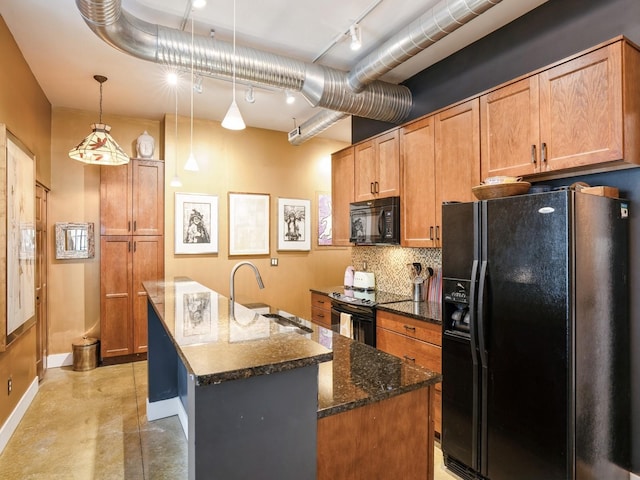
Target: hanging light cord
column 234, row 50
column 176, row 130
column 100, row 118
column 191, row 84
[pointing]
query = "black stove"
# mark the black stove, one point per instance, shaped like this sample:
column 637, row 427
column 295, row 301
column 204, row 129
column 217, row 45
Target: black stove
column 366, row 298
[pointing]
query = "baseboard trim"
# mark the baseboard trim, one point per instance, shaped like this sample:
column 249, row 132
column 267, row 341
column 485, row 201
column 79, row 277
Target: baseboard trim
column 12, row 422
column 59, row 360
column 633, row 476
column 168, row 408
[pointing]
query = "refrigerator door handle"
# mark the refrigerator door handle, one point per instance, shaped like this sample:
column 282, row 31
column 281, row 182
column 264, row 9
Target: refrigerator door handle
column 484, row 371
column 482, row 292
column 473, row 312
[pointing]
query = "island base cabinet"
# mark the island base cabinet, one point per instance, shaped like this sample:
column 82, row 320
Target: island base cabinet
column 392, row 438
column 259, row 427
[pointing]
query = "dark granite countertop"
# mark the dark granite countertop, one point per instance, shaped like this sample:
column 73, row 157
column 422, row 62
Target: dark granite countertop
column 217, row 348
column 425, row 311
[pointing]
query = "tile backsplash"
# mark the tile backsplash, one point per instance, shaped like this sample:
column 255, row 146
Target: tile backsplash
column 390, row 265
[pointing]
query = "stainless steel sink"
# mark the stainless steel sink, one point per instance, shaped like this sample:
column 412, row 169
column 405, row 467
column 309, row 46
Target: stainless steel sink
column 288, row 322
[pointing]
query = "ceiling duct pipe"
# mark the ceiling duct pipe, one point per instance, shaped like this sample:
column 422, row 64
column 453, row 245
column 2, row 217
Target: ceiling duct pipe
column 440, row 20
column 321, row 86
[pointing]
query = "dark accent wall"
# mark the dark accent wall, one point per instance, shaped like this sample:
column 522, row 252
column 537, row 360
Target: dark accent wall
column 551, row 32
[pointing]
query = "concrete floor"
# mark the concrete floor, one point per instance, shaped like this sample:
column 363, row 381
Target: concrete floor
column 93, row 425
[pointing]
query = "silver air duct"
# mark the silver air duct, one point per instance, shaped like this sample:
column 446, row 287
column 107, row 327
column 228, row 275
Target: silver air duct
column 321, row 86
column 356, row 93
column 442, row 19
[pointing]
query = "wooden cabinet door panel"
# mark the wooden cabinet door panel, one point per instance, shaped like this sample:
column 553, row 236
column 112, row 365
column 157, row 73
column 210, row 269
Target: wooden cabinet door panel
column 417, row 159
column 581, row 110
column 365, row 170
column 388, row 174
column 424, row 331
column 413, row 351
column 148, row 197
column 148, row 264
column 457, row 132
column 342, row 184
column 115, row 296
column 115, row 200
column 510, row 129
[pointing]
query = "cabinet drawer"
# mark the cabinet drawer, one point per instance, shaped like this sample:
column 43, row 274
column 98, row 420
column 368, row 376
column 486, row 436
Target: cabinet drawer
column 320, row 301
column 415, row 351
column 321, row 317
column 425, row 331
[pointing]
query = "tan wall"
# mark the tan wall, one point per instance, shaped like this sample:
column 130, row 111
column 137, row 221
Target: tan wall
column 254, row 161
column 27, row 113
column 74, row 285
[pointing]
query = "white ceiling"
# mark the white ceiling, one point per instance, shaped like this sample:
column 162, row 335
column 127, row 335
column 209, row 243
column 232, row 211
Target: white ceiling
column 64, row 53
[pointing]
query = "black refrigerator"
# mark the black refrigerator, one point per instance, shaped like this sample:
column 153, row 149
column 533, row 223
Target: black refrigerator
column 535, row 347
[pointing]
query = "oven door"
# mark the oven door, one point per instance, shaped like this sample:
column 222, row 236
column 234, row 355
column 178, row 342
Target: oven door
column 363, row 327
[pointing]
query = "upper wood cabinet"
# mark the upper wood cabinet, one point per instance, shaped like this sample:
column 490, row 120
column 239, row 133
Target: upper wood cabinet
column 457, row 156
column 342, row 178
column 577, row 114
column 418, row 173
column 440, row 158
column 377, row 167
column 132, row 198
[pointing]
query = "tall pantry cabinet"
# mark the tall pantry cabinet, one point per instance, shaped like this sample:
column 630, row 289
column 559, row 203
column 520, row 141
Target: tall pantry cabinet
column 131, row 252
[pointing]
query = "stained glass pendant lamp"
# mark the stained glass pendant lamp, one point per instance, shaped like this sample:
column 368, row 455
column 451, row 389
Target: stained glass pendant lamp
column 99, row 148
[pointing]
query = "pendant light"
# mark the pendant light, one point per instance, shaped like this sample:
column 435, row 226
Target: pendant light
column 233, row 119
column 191, row 165
column 99, row 148
column 175, row 181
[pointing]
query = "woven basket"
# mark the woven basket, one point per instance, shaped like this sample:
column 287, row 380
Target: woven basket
column 487, row 192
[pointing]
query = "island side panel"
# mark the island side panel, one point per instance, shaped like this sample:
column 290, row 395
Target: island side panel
column 258, row 427
column 392, row 438
column 162, row 360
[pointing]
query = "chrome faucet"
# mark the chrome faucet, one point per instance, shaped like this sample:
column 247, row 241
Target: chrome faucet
column 232, row 281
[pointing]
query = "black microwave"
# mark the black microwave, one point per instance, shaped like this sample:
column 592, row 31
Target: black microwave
column 375, row 222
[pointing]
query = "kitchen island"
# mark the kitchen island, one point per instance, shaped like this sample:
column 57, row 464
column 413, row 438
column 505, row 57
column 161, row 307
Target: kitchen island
column 269, row 395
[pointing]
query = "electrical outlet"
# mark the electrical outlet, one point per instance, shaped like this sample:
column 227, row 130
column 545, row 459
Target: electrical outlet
column 9, row 386
column 274, row 262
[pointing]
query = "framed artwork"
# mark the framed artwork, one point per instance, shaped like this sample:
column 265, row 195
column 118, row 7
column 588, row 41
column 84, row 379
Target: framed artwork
column 17, row 237
column 196, row 226
column 196, row 314
column 324, row 219
column 74, row 240
column 249, row 223
column 294, row 224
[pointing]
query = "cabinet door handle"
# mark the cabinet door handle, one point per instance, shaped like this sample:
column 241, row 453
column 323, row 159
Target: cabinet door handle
column 135, row 246
column 431, row 232
column 321, row 315
column 437, row 232
column 410, row 328
column 410, row 359
column 377, row 187
column 543, row 153
column 371, row 190
column 129, row 226
column 129, row 246
column 533, row 154
column 135, row 225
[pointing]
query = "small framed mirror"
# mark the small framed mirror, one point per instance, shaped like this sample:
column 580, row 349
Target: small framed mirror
column 74, row 240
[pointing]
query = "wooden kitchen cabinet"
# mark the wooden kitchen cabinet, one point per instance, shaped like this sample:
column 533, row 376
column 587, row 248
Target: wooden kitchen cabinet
column 131, row 203
column 440, row 160
column 418, row 206
column 377, row 167
column 576, row 114
column 321, row 309
column 414, row 341
column 132, row 198
column 123, row 301
column 342, row 178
